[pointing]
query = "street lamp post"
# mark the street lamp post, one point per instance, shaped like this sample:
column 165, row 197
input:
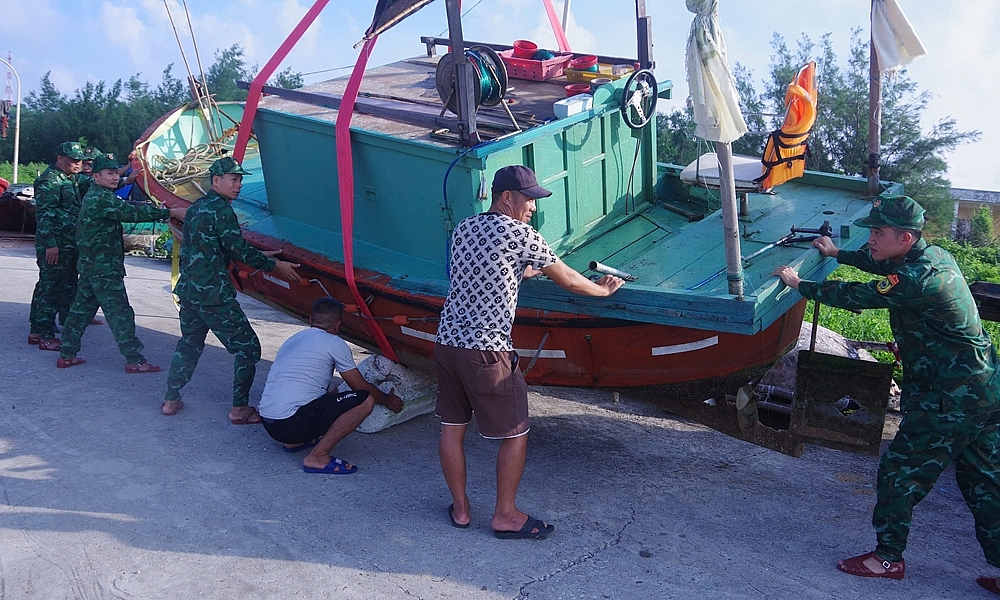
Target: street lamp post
column 17, row 117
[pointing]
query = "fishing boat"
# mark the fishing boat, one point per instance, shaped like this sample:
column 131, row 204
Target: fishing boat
column 416, row 144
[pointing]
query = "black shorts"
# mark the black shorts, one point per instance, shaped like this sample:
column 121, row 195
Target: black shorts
column 312, row 420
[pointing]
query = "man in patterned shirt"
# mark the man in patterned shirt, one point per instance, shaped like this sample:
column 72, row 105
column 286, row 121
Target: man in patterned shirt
column 951, row 390
column 474, row 355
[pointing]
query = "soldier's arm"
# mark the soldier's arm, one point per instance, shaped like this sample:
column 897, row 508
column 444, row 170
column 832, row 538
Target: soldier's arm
column 113, row 207
column 47, row 196
column 235, row 245
column 895, row 290
column 863, row 260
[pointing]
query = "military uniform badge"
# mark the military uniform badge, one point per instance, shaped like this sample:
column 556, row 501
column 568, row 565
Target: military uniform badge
column 887, row 284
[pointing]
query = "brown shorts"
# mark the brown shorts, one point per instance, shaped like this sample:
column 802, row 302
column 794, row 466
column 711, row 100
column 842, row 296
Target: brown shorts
column 486, row 383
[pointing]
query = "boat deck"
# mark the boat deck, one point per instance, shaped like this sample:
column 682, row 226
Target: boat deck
column 410, row 85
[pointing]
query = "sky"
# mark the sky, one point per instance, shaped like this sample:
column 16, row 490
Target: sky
column 88, row 40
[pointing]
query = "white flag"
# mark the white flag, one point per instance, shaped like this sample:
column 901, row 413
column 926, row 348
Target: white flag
column 896, row 43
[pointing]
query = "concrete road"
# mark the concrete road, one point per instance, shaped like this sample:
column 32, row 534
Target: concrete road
column 103, row 497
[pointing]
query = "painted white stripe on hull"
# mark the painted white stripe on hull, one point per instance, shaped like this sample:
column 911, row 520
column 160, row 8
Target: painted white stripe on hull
column 430, row 337
column 527, row 353
column 690, row 346
column 277, row 281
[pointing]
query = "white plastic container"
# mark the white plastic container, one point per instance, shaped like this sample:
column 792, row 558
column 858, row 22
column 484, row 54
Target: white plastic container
column 572, row 105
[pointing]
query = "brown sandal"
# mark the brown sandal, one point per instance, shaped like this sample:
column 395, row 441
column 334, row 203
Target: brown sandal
column 49, row 344
column 173, row 411
column 251, row 418
column 34, row 338
column 989, row 583
column 65, row 363
column 143, row 367
column 865, row 565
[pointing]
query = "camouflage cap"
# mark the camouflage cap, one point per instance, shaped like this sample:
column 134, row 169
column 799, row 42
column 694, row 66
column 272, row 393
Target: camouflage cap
column 105, row 161
column 892, row 210
column 226, row 165
column 71, row 150
column 90, row 153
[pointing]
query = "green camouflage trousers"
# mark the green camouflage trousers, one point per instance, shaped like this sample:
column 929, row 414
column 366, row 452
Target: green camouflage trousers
column 926, row 443
column 54, row 291
column 108, row 293
column 231, row 326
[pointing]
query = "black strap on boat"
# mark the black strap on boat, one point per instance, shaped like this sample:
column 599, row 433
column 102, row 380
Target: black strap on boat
column 777, row 138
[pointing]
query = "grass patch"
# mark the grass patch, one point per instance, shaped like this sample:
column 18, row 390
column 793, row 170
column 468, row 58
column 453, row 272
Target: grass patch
column 25, row 173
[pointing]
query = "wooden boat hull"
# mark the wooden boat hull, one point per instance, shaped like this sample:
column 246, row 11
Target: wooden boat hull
column 555, row 347
column 572, row 349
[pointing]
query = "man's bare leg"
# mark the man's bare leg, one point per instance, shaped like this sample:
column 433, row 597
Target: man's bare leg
column 348, row 422
column 510, row 467
column 452, row 451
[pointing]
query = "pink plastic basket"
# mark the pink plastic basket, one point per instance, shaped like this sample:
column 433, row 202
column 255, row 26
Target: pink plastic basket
column 534, row 70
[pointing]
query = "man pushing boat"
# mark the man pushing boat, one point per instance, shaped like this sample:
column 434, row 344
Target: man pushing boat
column 212, row 238
column 951, row 392
column 474, row 355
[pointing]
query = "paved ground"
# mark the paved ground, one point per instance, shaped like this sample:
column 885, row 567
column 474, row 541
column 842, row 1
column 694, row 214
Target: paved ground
column 102, row 497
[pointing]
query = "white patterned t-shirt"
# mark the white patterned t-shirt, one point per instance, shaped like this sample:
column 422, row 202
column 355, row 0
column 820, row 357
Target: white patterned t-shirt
column 489, row 253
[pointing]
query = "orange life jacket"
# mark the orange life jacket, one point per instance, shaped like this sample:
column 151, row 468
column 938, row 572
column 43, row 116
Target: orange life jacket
column 785, row 153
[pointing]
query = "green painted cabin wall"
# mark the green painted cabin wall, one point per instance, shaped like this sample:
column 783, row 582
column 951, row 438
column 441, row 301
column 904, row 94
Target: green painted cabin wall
column 399, row 203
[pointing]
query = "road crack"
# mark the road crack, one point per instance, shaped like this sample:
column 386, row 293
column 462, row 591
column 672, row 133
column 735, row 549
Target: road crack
column 524, row 592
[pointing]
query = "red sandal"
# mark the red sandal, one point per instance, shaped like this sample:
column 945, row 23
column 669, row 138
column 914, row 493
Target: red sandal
column 49, row 344
column 989, row 583
column 865, row 565
column 65, row 363
column 143, row 367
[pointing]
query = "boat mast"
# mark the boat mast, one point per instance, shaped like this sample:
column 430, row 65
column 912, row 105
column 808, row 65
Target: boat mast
column 465, row 102
column 874, row 114
column 644, row 36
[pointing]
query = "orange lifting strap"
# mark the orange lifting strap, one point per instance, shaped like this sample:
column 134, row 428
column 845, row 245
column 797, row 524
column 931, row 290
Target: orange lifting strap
column 785, row 153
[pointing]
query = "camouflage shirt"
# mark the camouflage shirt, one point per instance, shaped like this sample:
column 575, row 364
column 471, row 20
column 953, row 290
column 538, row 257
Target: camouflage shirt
column 212, row 238
column 947, row 356
column 57, row 207
column 99, row 231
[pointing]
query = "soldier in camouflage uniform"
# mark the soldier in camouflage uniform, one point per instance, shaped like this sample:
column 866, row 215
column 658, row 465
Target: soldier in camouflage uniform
column 951, row 389
column 101, row 265
column 58, row 192
column 89, row 154
column 212, row 238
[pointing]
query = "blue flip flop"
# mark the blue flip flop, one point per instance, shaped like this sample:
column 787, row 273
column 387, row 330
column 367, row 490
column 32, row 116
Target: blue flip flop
column 334, row 467
column 307, row 445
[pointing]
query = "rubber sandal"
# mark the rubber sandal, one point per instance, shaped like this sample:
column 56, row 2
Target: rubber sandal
column 309, row 444
column 527, row 531
column 34, row 338
column 989, row 583
column 49, row 344
column 177, row 407
column 455, row 523
column 251, row 418
column 334, row 467
column 65, row 363
column 143, row 367
column 859, row 566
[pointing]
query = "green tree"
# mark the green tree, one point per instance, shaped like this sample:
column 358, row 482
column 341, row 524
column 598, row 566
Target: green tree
column 982, row 227
column 288, row 79
column 228, row 68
